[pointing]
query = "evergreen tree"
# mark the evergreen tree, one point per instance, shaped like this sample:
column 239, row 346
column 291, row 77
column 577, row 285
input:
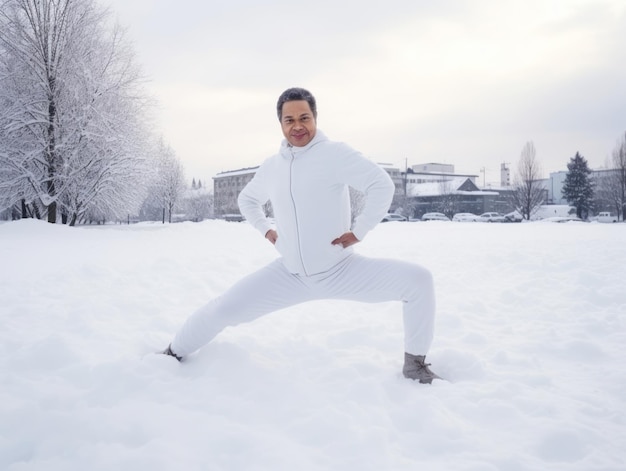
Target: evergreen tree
column 578, row 187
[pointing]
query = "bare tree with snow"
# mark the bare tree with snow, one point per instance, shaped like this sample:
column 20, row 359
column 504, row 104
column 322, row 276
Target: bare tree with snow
column 168, row 183
column 357, row 202
column 72, row 139
column 447, row 202
column 610, row 184
column 198, row 203
column 528, row 192
column 617, row 178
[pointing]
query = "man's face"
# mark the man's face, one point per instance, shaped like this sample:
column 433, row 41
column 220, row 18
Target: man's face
column 298, row 123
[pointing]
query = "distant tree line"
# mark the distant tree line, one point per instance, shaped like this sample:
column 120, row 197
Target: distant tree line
column 585, row 190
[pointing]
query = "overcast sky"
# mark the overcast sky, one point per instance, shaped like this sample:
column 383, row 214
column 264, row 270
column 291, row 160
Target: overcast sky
column 466, row 83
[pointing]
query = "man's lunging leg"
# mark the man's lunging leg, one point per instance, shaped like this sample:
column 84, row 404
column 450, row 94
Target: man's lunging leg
column 377, row 280
column 267, row 290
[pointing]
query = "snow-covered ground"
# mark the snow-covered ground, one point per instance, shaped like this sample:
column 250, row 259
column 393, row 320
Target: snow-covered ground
column 531, row 333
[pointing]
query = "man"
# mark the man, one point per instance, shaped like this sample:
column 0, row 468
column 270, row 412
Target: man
column 307, row 184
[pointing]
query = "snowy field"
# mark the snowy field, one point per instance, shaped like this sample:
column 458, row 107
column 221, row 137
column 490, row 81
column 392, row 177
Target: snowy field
column 531, row 333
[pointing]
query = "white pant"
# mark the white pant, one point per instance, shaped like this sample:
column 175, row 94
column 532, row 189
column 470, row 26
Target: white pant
column 355, row 278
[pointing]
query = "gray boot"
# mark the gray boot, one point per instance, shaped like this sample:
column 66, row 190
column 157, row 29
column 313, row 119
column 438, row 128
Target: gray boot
column 415, row 367
column 168, row 351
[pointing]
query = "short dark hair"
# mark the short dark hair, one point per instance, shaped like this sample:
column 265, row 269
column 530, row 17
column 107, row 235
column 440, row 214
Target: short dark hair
column 295, row 94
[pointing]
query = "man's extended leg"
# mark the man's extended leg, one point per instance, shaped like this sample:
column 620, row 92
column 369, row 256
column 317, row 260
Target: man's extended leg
column 269, row 289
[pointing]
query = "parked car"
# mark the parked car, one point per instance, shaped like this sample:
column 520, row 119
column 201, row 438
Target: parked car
column 234, row 217
column 465, row 217
column 393, row 217
column 435, row 217
column 514, row 216
column 606, row 216
column 491, row 217
column 562, row 219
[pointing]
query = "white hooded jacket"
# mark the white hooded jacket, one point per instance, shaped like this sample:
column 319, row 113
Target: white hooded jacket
column 308, row 189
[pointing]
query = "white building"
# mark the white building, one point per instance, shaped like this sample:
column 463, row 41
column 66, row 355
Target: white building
column 226, row 188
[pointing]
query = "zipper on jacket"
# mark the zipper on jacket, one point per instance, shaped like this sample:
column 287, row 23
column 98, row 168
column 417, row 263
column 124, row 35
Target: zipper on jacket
column 295, row 212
